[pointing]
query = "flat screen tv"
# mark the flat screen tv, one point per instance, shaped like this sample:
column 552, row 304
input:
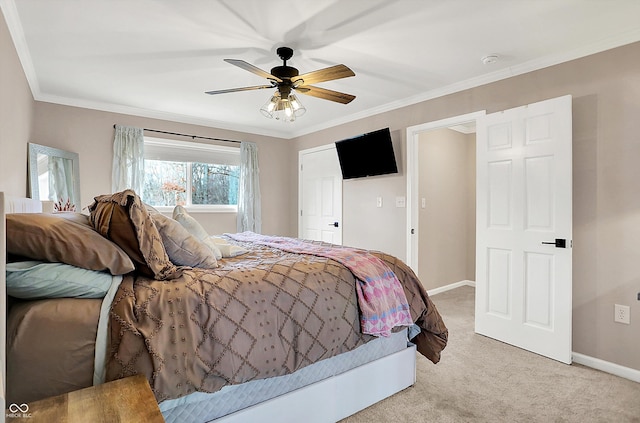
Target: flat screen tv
column 368, row 154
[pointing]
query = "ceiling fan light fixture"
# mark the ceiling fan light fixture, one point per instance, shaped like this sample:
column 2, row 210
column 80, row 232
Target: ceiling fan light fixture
column 298, row 108
column 284, row 109
column 270, row 106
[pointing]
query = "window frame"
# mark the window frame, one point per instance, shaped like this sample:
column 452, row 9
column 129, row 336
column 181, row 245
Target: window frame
column 195, row 147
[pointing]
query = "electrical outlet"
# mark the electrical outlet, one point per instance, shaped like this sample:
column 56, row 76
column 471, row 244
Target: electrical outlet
column 621, row 314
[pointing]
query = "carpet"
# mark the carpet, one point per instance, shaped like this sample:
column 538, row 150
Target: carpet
column 483, row 380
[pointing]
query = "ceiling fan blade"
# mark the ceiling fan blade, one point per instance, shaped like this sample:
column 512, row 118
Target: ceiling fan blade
column 322, row 75
column 253, row 69
column 233, row 90
column 325, row 94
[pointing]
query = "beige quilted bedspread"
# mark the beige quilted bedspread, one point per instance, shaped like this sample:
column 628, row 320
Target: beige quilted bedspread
column 263, row 314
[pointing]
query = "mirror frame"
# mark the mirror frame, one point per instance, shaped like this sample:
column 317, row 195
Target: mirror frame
column 34, row 150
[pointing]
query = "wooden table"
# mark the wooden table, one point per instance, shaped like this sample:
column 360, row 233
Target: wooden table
column 125, row 400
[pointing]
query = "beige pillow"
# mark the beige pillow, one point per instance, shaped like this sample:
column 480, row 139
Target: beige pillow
column 122, row 218
column 183, row 248
column 195, row 229
column 64, row 238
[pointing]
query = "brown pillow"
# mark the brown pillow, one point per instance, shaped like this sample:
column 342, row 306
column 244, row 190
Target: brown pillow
column 182, row 248
column 122, row 218
column 65, row 238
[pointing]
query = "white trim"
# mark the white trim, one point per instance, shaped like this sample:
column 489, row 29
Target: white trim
column 451, row 286
column 200, row 208
column 577, row 358
column 17, row 34
column 413, row 133
column 606, row 366
column 12, row 18
column 191, row 145
column 530, row 66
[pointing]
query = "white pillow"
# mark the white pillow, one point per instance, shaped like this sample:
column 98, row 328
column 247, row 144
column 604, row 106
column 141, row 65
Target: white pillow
column 36, row 279
column 195, row 229
column 227, row 249
column 182, row 247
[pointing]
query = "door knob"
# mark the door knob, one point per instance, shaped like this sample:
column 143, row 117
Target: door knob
column 336, row 224
column 559, row 243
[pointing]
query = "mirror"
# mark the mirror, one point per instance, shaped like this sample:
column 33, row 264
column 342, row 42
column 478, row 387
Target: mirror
column 54, row 175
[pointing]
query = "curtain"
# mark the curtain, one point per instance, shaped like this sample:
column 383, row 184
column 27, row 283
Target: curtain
column 128, row 159
column 249, row 213
column 61, row 180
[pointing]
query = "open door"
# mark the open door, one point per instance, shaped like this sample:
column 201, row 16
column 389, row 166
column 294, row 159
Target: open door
column 524, row 227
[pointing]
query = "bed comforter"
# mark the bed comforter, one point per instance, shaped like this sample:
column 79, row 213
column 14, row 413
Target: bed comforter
column 263, row 314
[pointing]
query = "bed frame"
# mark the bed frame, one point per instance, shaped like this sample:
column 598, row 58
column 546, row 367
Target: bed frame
column 328, row 400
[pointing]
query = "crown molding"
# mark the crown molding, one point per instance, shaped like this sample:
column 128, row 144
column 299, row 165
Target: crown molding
column 530, row 66
column 157, row 114
column 10, row 12
column 16, row 31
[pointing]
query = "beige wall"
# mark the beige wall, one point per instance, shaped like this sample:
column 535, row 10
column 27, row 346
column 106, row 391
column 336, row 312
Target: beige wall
column 606, row 110
column 90, row 134
column 446, row 182
column 606, row 198
column 16, row 116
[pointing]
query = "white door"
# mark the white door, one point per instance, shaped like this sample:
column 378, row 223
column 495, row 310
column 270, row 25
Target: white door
column 320, row 195
column 524, row 192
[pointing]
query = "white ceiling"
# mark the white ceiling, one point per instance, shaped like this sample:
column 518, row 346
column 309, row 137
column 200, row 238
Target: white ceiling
column 156, row 58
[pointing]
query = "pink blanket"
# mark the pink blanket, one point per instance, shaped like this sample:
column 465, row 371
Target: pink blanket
column 381, row 298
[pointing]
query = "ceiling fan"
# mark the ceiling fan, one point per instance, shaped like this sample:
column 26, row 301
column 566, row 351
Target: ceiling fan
column 286, row 79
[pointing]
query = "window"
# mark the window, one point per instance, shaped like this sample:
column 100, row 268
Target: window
column 195, row 175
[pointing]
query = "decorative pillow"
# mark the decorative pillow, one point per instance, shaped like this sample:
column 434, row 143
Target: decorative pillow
column 228, row 250
column 183, row 248
column 195, row 229
column 122, row 218
column 66, row 238
column 35, row 279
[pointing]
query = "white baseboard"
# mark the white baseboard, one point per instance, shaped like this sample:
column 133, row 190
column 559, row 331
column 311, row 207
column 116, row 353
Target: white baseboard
column 585, row 360
column 606, row 366
column 451, row 286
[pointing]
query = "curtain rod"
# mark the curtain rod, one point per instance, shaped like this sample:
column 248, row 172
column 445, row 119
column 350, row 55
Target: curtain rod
column 186, row 135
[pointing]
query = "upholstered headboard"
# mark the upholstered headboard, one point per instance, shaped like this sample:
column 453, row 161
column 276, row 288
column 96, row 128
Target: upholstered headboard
column 10, row 204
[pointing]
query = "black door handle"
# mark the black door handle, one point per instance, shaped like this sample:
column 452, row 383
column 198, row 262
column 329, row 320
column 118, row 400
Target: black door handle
column 334, row 224
column 559, row 243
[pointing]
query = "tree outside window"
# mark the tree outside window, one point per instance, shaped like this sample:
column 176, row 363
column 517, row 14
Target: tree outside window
column 170, row 183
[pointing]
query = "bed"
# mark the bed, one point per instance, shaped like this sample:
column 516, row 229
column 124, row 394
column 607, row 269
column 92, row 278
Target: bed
column 266, row 327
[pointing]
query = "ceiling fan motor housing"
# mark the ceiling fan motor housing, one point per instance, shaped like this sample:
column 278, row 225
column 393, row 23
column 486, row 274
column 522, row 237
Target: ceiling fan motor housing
column 284, row 53
column 284, row 72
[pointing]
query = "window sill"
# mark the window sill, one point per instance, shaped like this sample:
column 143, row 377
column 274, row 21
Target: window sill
column 199, row 209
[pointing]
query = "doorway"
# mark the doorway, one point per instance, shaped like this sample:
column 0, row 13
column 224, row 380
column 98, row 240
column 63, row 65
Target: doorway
column 523, row 223
column 415, row 194
column 446, row 211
